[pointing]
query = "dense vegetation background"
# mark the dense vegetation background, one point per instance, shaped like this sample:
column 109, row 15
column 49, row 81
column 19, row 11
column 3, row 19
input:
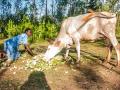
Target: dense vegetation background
column 45, row 16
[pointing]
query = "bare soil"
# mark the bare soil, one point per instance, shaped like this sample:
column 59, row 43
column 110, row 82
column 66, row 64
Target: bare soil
column 91, row 74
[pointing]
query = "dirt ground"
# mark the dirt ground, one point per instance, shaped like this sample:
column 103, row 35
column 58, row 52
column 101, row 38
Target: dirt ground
column 92, row 74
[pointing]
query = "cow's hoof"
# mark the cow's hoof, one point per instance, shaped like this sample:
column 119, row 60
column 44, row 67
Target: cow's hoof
column 78, row 64
column 66, row 58
column 106, row 61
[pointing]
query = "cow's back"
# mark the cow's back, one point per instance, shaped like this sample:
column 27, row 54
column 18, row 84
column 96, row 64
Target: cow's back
column 103, row 23
column 87, row 25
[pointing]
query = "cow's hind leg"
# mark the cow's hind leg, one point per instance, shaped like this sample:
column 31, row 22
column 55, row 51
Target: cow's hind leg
column 109, row 49
column 116, row 46
column 109, row 32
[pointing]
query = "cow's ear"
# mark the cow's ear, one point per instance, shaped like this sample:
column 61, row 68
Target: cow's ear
column 50, row 40
column 57, row 43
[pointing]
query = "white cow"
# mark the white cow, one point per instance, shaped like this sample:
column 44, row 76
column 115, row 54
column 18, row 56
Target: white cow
column 90, row 26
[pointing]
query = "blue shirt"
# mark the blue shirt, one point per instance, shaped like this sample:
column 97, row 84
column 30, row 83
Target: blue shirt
column 11, row 45
column 19, row 39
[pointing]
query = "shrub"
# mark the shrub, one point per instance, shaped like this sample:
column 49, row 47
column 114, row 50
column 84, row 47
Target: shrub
column 41, row 30
column 11, row 29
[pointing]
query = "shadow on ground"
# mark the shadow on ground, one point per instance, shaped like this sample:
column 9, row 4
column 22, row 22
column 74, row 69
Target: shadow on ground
column 36, row 81
column 86, row 55
column 88, row 79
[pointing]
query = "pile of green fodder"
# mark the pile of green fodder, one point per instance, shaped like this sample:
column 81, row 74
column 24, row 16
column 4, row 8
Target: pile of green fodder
column 37, row 63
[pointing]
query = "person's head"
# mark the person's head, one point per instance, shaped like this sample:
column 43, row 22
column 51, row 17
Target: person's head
column 28, row 31
column 2, row 54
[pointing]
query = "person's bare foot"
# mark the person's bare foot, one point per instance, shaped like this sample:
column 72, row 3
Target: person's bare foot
column 8, row 63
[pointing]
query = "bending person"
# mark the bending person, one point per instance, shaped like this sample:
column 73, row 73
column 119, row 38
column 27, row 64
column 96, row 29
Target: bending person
column 11, row 46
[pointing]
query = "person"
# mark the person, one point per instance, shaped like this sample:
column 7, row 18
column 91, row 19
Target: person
column 11, row 46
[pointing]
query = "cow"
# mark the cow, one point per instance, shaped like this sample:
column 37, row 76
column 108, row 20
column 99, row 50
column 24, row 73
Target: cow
column 90, row 26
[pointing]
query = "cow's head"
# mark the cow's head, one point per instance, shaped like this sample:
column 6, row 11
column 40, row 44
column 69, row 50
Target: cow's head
column 53, row 49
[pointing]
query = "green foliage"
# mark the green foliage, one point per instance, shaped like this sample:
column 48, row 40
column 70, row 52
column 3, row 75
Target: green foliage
column 76, row 8
column 118, row 25
column 51, row 30
column 11, row 29
column 41, row 30
column 24, row 24
column 93, row 4
column 106, row 7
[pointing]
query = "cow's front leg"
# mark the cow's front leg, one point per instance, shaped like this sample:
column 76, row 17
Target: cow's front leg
column 76, row 39
column 67, row 52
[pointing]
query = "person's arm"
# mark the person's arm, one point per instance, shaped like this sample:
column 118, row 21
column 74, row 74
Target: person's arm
column 27, row 48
